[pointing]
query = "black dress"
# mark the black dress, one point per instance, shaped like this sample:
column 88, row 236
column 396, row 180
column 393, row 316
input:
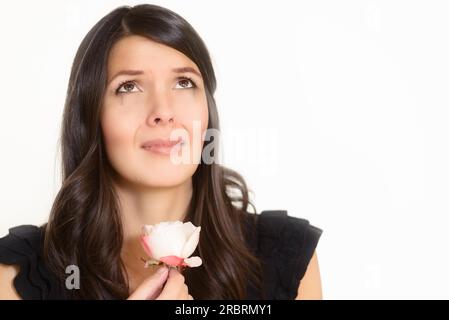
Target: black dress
column 283, row 243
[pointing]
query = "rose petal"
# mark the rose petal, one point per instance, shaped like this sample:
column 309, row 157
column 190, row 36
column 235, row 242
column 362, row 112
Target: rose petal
column 191, row 243
column 172, row 260
column 189, row 229
column 146, row 247
column 166, row 239
column 193, row 262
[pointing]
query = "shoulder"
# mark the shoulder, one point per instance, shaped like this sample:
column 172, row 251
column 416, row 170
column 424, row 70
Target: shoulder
column 7, row 275
column 21, row 263
column 286, row 245
column 310, row 285
column 277, row 228
column 23, row 239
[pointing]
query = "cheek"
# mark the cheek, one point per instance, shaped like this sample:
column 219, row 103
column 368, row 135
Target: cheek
column 192, row 115
column 195, row 117
column 197, row 129
column 204, row 120
column 118, row 132
column 120, row 118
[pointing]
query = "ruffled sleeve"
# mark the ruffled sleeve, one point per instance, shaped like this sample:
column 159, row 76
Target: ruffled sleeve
column 286, row 245
column 23, row 247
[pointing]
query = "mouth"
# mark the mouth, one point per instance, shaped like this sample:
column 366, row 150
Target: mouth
column 161, row 146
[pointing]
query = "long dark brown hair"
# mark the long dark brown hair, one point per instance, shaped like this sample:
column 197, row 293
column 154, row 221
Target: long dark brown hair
column 85, row 228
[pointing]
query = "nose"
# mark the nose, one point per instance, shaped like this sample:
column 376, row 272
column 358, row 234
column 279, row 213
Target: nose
column 161, row 113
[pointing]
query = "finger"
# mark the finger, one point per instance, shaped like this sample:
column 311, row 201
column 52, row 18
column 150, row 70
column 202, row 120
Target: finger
column 174, row 287
column 184, row 293
column 151, row 287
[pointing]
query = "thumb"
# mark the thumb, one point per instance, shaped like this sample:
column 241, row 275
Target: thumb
column 150, row 287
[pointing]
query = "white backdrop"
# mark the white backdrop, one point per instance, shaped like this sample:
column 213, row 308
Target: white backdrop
column 345, row 104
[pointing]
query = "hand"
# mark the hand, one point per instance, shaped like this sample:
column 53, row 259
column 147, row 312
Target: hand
column 175, row 287
column 165, row 284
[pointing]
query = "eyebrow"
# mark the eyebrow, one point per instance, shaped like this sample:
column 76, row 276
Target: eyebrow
column 139, row 72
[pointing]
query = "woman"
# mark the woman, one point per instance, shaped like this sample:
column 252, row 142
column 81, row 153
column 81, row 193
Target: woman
column 140, row 74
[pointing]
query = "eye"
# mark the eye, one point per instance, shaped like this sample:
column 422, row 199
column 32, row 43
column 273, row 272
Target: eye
column 126, row 87
column 186, row 83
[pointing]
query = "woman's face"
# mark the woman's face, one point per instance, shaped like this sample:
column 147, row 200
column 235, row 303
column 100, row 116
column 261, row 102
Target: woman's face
column 152, row 103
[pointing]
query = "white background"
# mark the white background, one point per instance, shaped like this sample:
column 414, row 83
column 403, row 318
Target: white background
column 347, row 102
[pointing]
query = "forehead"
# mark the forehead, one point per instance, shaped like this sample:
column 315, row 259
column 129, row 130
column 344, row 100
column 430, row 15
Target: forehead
column 137, row 52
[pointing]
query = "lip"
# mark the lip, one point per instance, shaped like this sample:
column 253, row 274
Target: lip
column 161, row 146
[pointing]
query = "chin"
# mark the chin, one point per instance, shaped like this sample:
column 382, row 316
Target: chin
column 164, row 179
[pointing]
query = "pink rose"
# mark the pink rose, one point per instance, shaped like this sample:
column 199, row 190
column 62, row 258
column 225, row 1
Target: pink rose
column 171, row 242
